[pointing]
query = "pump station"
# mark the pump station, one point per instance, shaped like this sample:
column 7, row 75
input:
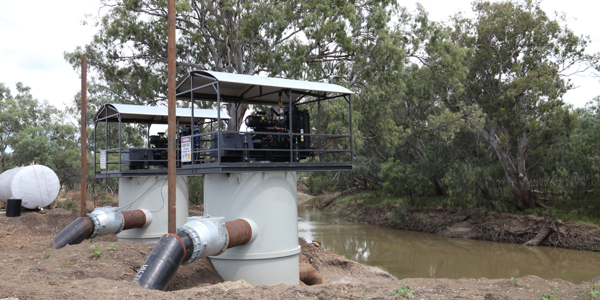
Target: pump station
column 250, row 227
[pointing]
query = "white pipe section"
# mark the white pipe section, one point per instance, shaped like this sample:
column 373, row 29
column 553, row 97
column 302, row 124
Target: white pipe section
column 110, row 220
column 209, row 236
column 106, row 220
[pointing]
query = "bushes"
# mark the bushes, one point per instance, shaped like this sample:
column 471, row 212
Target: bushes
column 196, row 189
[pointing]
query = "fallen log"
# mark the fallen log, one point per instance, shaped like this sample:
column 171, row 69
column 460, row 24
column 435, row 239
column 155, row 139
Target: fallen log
column 546, row 228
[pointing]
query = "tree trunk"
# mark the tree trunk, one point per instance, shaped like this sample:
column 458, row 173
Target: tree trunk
column 438, row 187
column 241, row 111
column 516, row 176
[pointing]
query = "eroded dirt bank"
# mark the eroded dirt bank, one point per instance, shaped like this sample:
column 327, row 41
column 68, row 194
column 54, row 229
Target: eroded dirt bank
column 31, row 269
column 469, row 223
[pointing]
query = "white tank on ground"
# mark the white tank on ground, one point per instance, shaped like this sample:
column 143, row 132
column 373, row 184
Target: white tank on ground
column 36, row 185
column 151, row 193
column 270, row 200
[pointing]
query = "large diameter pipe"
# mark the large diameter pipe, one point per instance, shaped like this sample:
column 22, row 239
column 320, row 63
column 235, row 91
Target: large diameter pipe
column 240, row 232
column 138, row 218
column 309, row 275
column 75, row 233
column 105, row 220
column 161, row 265
column 82, row 210
column 199, row 237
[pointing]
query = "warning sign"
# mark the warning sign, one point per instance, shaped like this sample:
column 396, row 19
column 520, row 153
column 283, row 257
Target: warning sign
column 186, row 149
column 102, row 159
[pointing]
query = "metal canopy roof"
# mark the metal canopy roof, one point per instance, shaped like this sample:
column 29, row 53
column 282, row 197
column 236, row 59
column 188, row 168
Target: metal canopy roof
column 152, row 114
column 250, row 89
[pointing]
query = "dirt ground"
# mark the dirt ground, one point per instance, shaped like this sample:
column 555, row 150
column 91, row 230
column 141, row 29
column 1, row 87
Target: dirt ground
column 31, row 269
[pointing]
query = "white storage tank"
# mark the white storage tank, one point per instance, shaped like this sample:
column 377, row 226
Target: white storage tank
column 36, row 185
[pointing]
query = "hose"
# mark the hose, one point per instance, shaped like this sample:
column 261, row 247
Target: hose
column 309, row 275
column 161, row 265
column 75, row 233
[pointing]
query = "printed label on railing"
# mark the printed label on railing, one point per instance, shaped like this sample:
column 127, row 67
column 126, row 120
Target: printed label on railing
column 186, row 149
column 102, row 159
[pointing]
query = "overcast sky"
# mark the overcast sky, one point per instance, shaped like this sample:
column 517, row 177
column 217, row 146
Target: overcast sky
column 36, row 33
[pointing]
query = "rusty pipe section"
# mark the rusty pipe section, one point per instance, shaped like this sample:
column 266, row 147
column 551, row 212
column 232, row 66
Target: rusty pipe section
column 309, row 275
column 104, row 220
column 138, row 218
column 240, row 232
column 82, row 210
column 209, row 236
column 171, row 155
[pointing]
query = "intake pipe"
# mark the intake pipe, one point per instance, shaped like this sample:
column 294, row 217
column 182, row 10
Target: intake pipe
column 309, row 275
column 199, row 237
column 104, row 220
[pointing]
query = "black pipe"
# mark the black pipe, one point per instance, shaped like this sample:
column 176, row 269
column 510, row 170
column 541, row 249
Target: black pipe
column 161, row 265
column 75, row 233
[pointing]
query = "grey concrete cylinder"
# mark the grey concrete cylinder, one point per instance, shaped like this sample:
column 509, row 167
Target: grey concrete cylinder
column 150, row 193
column 270, row 200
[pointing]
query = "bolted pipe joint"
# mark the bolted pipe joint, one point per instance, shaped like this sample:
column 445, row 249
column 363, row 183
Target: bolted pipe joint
column 106, row 220
column 208, row 234
column 109, row 220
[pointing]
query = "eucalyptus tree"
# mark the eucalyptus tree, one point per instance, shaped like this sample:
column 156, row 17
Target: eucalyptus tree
column 420, row 113
column 518, row 67
column 294, row 39
column 18, row 112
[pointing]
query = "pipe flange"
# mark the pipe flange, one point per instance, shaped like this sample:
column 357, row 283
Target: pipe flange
column 226, row 244
column 122, row 225
column 96, row 222
column 196, row 239
column 107, row 220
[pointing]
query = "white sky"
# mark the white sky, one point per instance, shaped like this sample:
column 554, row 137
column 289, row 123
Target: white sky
column 35, row 34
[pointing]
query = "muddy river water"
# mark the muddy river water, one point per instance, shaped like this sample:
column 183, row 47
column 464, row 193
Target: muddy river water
column 422, row 255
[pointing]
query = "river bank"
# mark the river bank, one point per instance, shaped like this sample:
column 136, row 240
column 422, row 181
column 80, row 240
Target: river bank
column 470, row 223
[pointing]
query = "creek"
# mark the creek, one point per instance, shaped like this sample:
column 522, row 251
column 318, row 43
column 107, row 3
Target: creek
column 409, row 254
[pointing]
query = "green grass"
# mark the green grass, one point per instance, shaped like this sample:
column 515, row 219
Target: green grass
column 68, row 204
